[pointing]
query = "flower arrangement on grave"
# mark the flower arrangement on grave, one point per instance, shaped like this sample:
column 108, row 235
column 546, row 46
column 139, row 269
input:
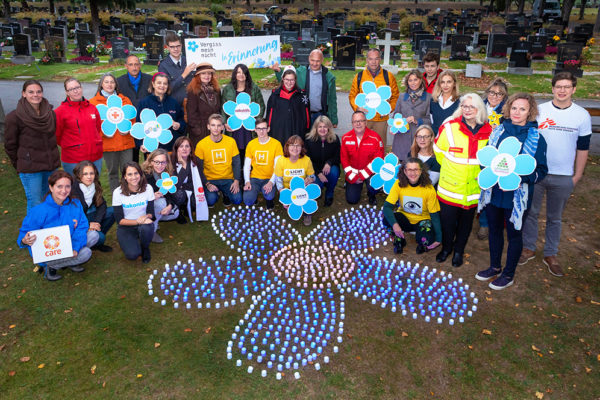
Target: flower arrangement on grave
column 324, row 47
column 586, row 55
column 287, row 52
column 554, row 40
column 46, row 60
column 7, row 41
column 103, row 48
column 572, row 64
column 590, row 42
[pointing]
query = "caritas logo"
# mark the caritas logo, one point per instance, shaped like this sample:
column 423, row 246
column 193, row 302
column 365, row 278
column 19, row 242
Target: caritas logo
column 51, row 244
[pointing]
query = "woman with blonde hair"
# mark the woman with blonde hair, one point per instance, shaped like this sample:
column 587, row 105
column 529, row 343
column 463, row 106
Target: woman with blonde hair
column 203, row 100
column 422, row 148
column 444, row 99
column 323, row 149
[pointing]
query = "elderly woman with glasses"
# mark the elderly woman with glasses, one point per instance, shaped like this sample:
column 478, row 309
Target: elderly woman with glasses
column 422, row 148
column 458, row 191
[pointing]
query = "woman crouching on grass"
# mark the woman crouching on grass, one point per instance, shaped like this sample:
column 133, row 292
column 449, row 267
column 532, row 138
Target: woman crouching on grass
column 133, row 205
column 417, row 209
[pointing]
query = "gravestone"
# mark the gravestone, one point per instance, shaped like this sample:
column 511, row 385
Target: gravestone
column 414, row 27
column 278, row 29
column 154, row 49
column 82, row 26
column 388, row 48
column 419, row 37
column 349, row 25
column 306, row 34
column 58, row 31
column 120, row 48
column 55, row 46
column 289, row 36
column 226, row 31
column 258, row 32
column 459, row 47
column 201, row 31
column 568, row 58
column 34, row 35
column 486, row 26
column 344, row 52
column 110, row 33
column 302, row 49
column 520, row 59
column 498, row 29
column 128, row 30
column 139, row 37
column 429, row 46
column 334, row 31
column 322, row 38
column 473, row 70
column 152, row 29
column 538, row 46
column 497, row 48
column 22, row 45
column 6, row 31
column 83, row 40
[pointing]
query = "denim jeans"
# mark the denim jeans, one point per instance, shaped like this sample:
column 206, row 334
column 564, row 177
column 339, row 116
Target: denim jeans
column 106, row 223
column 498, row 218
column 332, row 178
column 353, row 191
column 223, row 185
column 36, row 186
column 68, row 167
column 251, row 195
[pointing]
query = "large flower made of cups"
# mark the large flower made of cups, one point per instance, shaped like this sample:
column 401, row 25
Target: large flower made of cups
column 296, row 286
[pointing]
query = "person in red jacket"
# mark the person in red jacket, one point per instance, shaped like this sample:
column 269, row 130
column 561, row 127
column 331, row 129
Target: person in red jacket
column 78, row 129
column 431, row 65
column 359, row 147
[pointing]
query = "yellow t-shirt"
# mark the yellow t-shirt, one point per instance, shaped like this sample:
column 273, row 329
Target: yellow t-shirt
column 263, row 157
column 217, row 157
column 416, row 203
column 287, row 170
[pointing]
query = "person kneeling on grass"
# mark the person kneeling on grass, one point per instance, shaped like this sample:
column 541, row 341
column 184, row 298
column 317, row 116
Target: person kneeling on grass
column 60, row 209
column 221, row 166
column 133, row 204
column 418, row 208
column 262, row 154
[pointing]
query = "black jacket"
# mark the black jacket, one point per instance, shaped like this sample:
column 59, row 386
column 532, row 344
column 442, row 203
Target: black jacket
column 76, row 193
column 127, row 89
column 288, row 114
column 323, row 152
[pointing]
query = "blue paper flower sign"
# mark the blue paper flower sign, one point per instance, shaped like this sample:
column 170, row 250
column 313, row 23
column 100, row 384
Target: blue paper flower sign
column 152, row 129
column 398, row 124
column 115, row 115
column 192, row 46
column 242, row 112
column 386, row 171
column 166, row 183
column 504, row 166
column 374, row 99
column 300, row 198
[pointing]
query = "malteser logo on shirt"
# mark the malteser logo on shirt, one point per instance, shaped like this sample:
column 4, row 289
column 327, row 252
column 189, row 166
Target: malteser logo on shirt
column 262, row 157
column 293, row 172
column 219, row 156
column 547, row 123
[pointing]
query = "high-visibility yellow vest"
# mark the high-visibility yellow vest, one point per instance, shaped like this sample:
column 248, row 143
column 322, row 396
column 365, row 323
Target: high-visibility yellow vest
column 456, row 151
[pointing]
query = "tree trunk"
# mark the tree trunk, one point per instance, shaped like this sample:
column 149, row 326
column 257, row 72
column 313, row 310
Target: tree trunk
column 316, row 7
column 566, row 12
column 6, row 6
column 95, row 17
column 491, row 5
column 507, row 8
column 521, row 6
column 582, row 9
column 24, row 5
column 248, row 6
column 597, row 24
column 540, row 12
column 51, row 7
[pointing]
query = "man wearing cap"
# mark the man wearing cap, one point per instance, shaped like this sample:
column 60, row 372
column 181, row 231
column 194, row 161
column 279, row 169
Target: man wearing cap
column 319, row 84
column 175, row 65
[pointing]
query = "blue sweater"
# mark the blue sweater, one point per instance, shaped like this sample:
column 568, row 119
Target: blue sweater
column 49, row 215
column 502, row 199
column 169, row 106
column 438, row 115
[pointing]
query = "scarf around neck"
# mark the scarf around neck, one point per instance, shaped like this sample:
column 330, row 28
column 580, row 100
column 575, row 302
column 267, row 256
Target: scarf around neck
column 415, row 94
column 44, row 122
column 211, row 94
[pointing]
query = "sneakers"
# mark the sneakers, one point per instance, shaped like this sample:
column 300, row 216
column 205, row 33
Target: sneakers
column 501, row 283
column 307, row 220
column 146, row 257
column 103, row 248
column 181, row 220
column 156, row 238
column 487, row 274
column 399, row 244
column 51, row 275
column 76, row 268
column 526, row 255
column 328, row 202
column 226, row 201
column 483, row 233
column 373, row 200
column 421, row 248
column 553, row 266
column 270, row 204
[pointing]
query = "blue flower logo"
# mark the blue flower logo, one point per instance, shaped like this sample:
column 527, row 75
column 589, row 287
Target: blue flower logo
column 398, row 124
column 300, row 198
column 153, row 130
column 374, row 98
column 242, row 112
column 192, row 46
column 294, row 288
column 167, row 183
column 115, row 115
column 386, row 171
column 504, row 165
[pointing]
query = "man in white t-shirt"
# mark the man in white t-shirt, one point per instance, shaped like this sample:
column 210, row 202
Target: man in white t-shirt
column 567, row 129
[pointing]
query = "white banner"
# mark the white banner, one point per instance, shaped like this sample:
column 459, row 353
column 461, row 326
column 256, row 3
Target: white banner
column 226, row 52
column 51, row 244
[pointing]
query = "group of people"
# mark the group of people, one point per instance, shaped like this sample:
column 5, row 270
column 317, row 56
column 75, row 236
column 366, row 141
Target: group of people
column 436, row 194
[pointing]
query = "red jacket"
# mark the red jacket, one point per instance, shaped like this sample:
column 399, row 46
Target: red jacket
column 78, row 131
column 429, row 85
column 356, row 158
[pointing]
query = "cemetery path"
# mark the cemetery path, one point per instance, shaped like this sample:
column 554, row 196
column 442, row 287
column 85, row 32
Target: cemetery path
column 55, row 93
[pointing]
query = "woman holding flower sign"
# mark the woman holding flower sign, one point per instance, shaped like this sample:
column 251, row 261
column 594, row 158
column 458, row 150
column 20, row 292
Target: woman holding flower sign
column 506, row 202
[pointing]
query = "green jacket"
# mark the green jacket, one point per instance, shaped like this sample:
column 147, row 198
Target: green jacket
column 331, row 104
column 229, row 93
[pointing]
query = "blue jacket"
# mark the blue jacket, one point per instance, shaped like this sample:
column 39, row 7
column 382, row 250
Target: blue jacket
column 170, row 106
column 49, row 214
column 502, row 199
column 177, row 84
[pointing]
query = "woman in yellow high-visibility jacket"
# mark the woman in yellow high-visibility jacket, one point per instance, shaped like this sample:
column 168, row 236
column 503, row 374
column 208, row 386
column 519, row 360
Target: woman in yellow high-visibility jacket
column 455, row 148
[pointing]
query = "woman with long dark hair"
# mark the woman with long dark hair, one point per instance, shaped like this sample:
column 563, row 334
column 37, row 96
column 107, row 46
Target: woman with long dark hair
column 58, row 209
column 417, row 208
column 203, row 100
column 30, row 141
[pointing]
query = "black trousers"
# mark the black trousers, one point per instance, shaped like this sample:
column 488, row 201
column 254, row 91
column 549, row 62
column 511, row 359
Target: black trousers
column 456, row 226
column 134, row 239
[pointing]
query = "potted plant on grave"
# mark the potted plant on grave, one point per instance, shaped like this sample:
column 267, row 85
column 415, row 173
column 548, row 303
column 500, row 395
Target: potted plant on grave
column 571, row 65
column 324, row 48
column 89, row 58
column 287, row 52
column 552, row 47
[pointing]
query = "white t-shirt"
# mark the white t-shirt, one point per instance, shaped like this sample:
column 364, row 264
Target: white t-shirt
column 561, row 129
column 134, row 206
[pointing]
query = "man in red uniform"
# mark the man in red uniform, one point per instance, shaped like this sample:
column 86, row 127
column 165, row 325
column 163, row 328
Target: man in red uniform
column 359, row 147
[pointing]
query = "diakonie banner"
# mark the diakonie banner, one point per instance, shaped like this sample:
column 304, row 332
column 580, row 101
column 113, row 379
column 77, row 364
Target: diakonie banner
column 226, row 53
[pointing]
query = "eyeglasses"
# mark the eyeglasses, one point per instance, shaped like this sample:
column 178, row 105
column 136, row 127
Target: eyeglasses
column 563, row 87
column 175, row 47
column 261, row 129
column 468, row 108
column 359, row 121
column 419, row 137
column 159, row 162
column 413, row 169
column 74, row 89
column 295, row 145
column 495, row 94
column 289, row 80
